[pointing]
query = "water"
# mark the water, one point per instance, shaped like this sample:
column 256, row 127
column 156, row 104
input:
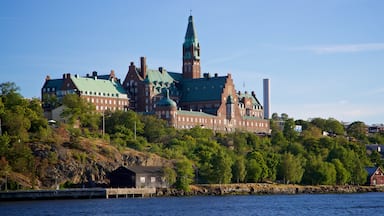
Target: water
column 306, row 204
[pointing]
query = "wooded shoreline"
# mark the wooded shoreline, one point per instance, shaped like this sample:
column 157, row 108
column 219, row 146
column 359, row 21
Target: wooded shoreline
column 267, row 189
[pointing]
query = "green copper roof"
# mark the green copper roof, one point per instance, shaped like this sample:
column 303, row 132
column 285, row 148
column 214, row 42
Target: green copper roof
column 203, row 89
column 190, row 35
column 166, row 101
column 160, row 80
column 194, row 113
column 98, row 87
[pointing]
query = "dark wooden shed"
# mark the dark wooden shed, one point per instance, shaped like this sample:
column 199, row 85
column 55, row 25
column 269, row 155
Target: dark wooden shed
column 138, row 177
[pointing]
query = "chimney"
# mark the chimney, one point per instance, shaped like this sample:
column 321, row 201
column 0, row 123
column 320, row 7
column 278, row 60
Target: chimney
column 94, row 73
column 266, row 98
column 132, row 67
column 47, row 77
column 143, row 65
column 161, row 69
column 253, row 94
column 216, row 75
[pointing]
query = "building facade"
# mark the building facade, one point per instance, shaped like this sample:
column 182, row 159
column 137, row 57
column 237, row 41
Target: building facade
column 138, row 177
column 104, row 91
column 188, row 99
column 185, row 100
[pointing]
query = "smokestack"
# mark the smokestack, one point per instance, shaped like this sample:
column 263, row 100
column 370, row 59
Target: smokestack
column 266, row 98
column 143, row 65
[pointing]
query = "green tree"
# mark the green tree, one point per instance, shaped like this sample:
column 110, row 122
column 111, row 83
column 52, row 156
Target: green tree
column 221, row 167
column 319, row 123
column 376, row 159
column 334, row 126
column 78, row 109
column 318, row 172
column 342, row 175
column 289, row 130
column 253, row 171
column 290, row 168
column 170, row 175
column 259, row 159
column 185, row 174
column 358, row 130
column 239, row 171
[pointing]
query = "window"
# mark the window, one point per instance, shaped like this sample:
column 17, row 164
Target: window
column 142, row 179
column 153, row 179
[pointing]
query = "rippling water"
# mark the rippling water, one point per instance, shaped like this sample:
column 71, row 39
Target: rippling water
column 314, row 204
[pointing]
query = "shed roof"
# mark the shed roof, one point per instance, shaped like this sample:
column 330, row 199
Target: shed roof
column 146, row 169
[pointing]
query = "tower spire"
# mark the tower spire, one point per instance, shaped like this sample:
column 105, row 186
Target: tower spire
column 191, row 52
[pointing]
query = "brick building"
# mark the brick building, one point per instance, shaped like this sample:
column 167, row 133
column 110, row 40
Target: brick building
column 104, row 91
column 188, row 99
column 184, row 99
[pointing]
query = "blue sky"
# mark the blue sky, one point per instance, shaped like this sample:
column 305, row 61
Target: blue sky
column 324, row 58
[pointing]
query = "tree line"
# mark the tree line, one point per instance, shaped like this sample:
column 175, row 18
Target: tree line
column 199, row 155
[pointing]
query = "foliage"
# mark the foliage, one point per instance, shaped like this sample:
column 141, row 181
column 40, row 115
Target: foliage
column 290, row 168
column 185, row 174
column 308, row 157
column 239, row 171
column 170, row 175
column 78, row 110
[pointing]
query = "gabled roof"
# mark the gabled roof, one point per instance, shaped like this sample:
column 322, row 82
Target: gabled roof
column 371, row 170
column 255, row 102
column 203, row 89
column 161, row 78
column 109, row 87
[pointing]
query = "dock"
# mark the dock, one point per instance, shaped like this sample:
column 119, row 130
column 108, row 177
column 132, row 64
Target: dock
column 81, row 193
column 129, row 192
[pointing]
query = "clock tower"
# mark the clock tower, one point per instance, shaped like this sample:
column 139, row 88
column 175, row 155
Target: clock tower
column 191, row 53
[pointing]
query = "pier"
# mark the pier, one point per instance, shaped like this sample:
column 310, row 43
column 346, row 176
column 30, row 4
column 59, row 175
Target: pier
column 81, row 193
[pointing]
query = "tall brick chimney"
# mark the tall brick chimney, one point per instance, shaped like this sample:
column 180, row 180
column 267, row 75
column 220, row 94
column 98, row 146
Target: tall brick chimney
column 143, row 69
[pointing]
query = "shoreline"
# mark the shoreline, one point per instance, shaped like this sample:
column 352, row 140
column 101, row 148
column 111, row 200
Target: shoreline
column 196, row 190
column 267, row 189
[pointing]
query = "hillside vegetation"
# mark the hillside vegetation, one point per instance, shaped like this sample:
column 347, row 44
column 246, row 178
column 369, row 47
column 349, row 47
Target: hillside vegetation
column 34, row 154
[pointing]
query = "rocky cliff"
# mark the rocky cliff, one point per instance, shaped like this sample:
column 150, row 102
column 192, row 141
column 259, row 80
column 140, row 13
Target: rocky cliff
column 79, row 163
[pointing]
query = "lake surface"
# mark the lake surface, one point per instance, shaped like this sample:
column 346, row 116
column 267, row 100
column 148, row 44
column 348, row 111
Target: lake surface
column 304, row 204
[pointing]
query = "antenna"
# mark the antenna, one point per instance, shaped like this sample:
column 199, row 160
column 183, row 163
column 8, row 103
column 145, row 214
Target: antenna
column 190, row 12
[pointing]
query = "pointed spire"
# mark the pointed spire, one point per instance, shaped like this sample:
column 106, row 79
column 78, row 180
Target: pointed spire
column 190, row 35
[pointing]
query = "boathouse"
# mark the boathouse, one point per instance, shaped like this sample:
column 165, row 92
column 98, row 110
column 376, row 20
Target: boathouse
column 138, row 177
column 375, row 176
